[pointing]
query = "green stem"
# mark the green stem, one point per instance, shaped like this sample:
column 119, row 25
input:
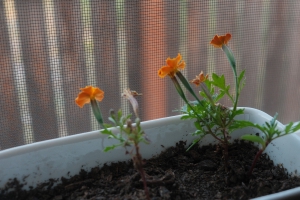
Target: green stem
column 181, row 93
column 97, row 112
column 187, row 86
column 232, row 62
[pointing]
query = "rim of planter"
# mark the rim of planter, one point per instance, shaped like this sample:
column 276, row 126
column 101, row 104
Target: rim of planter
column 38, row 162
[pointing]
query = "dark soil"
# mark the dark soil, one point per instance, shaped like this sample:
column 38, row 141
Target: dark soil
column 175, row 174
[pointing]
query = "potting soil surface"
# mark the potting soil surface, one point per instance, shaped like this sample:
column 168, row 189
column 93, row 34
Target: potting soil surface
column 175, row 174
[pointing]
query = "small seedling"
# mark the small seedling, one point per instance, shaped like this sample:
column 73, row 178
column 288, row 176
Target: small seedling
column 270, row 131
column 129, row 134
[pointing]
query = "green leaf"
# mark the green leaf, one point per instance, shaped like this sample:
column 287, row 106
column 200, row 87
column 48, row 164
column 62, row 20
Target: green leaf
column 108, row 125
column 241, row 80
column 291, row 128
column 186, row 84
column 185, row 117
column 296, row 128
column 208, row 84
column 272, row 122
column 288, row 128
column 254, row 138
column 237, row 112
column 106, row 131
column 112, row 120
column 219, row 96
column 219, row 81
column 106, row 149
column 197, row 125
column 239, row 124
column 119, row 114
column 203, row 94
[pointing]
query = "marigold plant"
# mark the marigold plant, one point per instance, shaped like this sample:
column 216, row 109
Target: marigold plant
column 129, row 135
column 211, row 117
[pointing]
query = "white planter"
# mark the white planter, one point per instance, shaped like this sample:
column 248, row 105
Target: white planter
column 66, row 156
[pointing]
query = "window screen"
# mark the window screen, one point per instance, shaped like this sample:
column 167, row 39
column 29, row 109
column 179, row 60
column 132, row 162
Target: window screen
column 51, row 48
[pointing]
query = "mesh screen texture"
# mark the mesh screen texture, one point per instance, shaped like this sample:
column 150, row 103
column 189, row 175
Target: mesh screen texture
column 49, row 49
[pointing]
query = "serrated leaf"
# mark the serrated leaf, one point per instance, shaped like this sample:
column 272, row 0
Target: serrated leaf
column 254, row 138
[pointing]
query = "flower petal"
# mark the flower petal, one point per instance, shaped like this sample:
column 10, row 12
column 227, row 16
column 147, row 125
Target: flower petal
column 164, row 71
column 173, row 65
column 98, row 94
column 83, row 98
column 219, row 41
column 196, row 81
column 87, row 94
column 181, row 65
column 171, row 62
column 199, row 79
column 178, row 59
column 227, row 38
column 88, row 90
column 216, row 42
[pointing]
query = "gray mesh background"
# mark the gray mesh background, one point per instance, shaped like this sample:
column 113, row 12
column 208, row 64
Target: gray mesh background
column 49, row 49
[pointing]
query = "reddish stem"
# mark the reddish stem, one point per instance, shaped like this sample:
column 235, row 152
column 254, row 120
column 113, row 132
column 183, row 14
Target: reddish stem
column 212, row 134
column 138, row 163
column 258, row 154
column 141, row 170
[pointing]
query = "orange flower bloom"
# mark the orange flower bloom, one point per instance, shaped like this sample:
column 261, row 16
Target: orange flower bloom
column 219, row 41
column 87, row 94
column 199, row 79
column 173, row 65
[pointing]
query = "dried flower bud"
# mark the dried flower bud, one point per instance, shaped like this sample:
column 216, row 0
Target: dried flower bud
column 128, row 94
column 134, row 93
column 199, row 79
column 129, row 124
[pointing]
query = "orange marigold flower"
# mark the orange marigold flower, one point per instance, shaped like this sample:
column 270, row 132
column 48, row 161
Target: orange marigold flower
column 219, row 41
column 87, row 94
column 199, row 79
column 173, row 65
